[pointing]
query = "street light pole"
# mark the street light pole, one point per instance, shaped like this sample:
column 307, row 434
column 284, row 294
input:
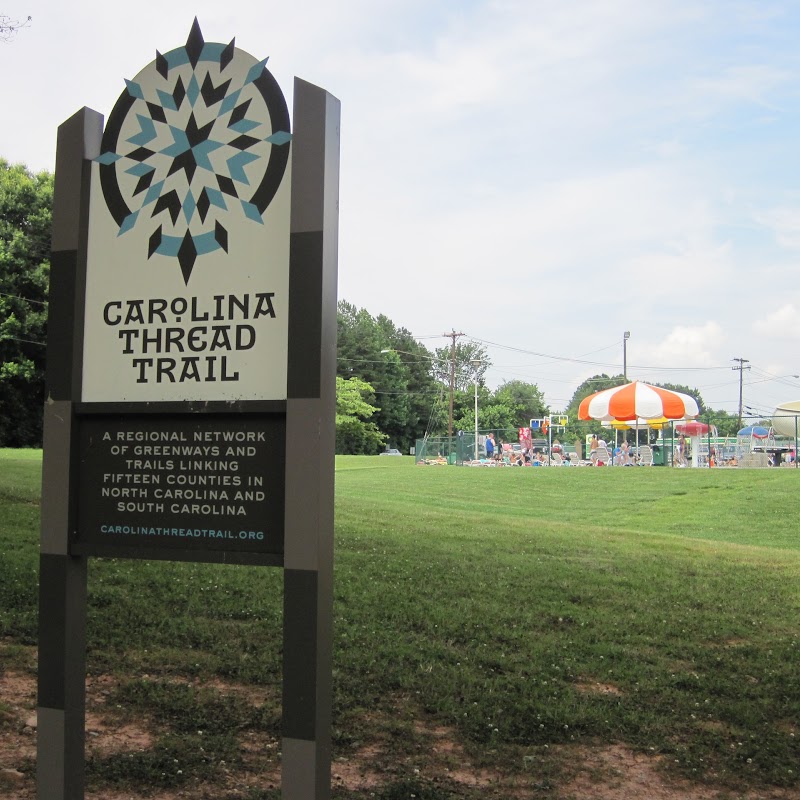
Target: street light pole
column 476, row 362
column 625, row 336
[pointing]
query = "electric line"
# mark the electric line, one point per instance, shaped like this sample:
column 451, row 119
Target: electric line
column 27, row 341
column 26, row 299
column 590, row 363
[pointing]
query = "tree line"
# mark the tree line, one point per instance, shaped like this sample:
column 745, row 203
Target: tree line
column 405, row 388
column 26, row 201
column 391, row 390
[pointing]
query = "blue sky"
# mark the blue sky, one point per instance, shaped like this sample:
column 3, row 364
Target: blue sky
column 538, row 175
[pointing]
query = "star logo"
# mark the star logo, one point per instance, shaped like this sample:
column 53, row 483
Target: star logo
column 201, row 133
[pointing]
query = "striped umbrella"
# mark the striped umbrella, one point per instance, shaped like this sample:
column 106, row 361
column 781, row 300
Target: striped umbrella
column 637, row 400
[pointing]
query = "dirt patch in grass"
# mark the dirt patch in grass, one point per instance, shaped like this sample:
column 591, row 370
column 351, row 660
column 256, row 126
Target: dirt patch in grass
column 431, row 755
column 17, row 735
column 618, row 773
column 359, row 772
column 104, row 737
column 790, row 726
column 395, row 749
column 597, row 687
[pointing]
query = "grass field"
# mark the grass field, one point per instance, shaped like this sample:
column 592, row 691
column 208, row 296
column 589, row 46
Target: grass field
column 527, row 617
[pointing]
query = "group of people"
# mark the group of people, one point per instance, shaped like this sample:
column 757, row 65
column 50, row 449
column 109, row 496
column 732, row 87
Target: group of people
column 502, row 453
column 622, row 455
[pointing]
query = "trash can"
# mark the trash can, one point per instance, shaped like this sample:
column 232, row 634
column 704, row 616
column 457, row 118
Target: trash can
column 451, row 459
column 658, row 455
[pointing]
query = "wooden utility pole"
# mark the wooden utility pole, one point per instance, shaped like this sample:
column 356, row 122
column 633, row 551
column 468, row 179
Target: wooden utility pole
column 453, row 336
column 741, row 368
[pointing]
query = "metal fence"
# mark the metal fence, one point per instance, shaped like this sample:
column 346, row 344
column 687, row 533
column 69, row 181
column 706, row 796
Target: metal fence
column 764, row 448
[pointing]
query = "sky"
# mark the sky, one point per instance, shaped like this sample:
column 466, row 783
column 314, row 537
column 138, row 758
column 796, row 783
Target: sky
column 539, row 176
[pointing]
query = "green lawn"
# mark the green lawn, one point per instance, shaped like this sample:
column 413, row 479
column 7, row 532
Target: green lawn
column 486, row 601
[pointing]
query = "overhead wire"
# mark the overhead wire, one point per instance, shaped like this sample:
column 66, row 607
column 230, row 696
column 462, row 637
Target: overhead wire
column 576, row 360
column 26, row 299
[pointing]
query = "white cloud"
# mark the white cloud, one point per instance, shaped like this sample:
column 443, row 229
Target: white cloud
column 782, row 323
column 688, row 345
column 784, row 222
column 545, row 175
column 749, row 82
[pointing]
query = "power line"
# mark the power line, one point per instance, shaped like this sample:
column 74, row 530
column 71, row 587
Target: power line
column 590, row 363
column 408, row 393
column 26, row 299
column 27, row 341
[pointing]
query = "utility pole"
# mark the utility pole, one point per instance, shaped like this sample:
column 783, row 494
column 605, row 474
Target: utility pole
column 452, row 335
column 741, row 368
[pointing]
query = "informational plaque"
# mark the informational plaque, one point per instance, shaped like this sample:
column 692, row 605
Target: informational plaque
column 177, row 482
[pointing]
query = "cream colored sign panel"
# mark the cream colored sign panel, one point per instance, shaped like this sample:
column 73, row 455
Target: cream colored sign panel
column 188, row 257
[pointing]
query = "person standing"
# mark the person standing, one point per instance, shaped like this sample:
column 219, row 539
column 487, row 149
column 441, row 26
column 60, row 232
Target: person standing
column 593, row 445
column 490, row 446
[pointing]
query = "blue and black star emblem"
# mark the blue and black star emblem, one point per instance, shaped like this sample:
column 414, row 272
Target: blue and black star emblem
column 201, row 133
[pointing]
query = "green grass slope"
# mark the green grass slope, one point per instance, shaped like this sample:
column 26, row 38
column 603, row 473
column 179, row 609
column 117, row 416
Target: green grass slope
column 497, row 603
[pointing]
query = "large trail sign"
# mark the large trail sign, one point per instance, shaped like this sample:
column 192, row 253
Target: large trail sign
column 191, row 368
column 188, row 253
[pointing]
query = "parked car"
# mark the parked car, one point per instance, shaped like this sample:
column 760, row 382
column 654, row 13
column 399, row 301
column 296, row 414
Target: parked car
column 391, row 452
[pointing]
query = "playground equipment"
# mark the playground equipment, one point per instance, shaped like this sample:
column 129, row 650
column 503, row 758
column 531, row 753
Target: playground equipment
column 546, row 426
column 786, row 419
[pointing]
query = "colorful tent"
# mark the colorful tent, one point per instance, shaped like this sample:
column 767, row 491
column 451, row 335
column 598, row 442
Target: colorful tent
column 637, row 399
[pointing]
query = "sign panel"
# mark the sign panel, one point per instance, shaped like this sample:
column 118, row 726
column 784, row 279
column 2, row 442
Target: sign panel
column 182, row 482
column 188, row 252
column 172, row 383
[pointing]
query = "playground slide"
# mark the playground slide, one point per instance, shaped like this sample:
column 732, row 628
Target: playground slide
column 784, row 416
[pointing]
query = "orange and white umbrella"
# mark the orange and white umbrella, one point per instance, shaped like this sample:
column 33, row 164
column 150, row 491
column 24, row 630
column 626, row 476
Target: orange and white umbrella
column 637, row 400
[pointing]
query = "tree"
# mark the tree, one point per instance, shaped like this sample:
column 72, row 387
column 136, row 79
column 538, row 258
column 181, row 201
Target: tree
column 510, row 407
column 25, row 217
column 354, row 435
column 465, row 370
column 577, row 428
column 398, row 368
column 464, row 409
column 525, row 399
column 726, row 424
column 10, row 26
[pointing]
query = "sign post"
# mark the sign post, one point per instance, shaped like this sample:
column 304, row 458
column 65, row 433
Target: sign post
column 191, row 369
